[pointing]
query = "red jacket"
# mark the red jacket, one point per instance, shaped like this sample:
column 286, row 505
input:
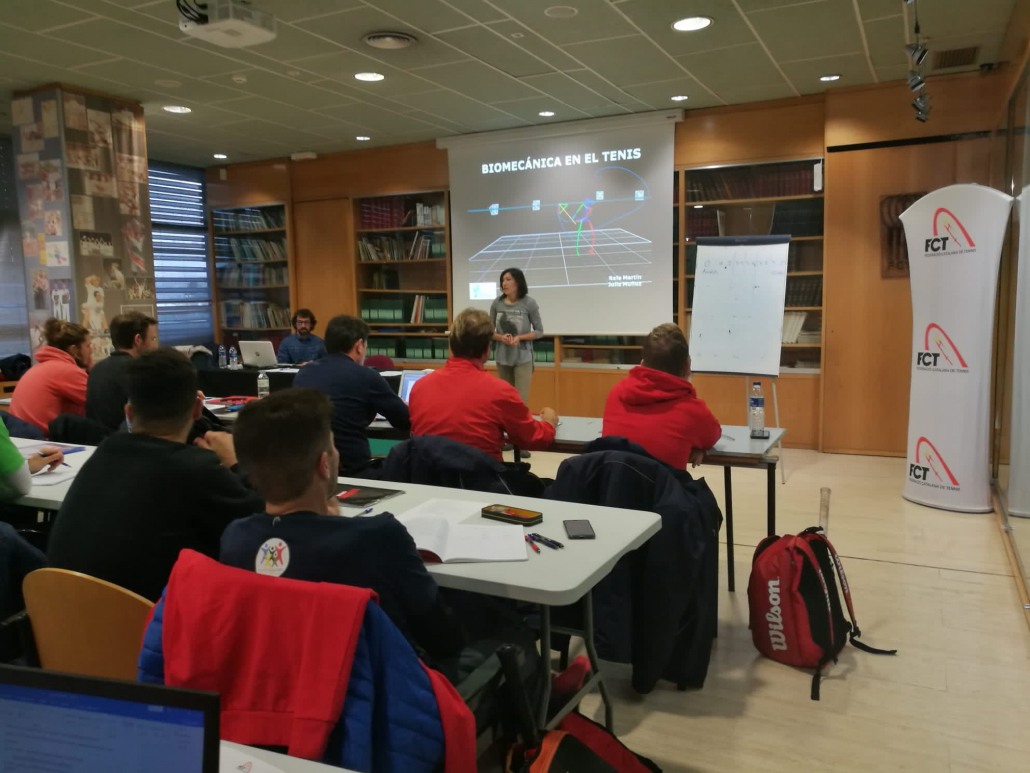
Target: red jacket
column 463, row 402
column 662, row 413
column 56, row 385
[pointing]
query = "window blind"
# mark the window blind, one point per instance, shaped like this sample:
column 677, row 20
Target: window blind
column 14, row 319
column 181, row 280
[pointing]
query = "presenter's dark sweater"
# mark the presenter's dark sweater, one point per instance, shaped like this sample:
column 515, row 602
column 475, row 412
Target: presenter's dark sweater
column 137, row 502
column 107, row 390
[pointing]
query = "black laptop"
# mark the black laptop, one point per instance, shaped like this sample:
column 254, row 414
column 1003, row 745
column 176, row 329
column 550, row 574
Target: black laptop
column 51, row 721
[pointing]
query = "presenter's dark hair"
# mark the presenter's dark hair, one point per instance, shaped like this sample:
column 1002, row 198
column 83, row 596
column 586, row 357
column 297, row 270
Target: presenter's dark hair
column 343, row 332
column 304, row 314
column 471, row 334
column 163, row 388
column 279, row 440
column 665, row 349
column 520, row 280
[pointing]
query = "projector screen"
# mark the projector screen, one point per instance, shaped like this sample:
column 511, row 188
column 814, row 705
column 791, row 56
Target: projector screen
column 587, row 216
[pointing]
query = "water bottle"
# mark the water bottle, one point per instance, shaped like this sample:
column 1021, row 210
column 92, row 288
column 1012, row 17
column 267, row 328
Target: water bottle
column 234, row 360
column 262, row 384
column 221, row 357
column 756, row 410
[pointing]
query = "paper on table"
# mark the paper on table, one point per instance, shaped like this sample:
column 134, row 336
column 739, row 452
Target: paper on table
column 449, row 542
column 55, row 478
column 451, row 510
column 233, row 761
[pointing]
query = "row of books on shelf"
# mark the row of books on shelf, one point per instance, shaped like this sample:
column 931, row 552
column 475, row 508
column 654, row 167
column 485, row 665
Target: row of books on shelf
column 409, row 348
column 798, row 218
column 249, row 219
column 414, row 310
column 601, row 341
column 601, row 356
column 259, row 314
column 424, row 246
column 399, row 212
column 793, row 329
column 233, row 248
column 235, row 275
column 751, row 182
column 804, row 291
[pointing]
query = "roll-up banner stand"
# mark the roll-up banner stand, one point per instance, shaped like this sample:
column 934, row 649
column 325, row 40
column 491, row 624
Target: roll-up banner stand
column 955, row 236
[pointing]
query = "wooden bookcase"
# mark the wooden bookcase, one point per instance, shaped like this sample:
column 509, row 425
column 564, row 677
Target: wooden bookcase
column 403, row 274
column 251, row 258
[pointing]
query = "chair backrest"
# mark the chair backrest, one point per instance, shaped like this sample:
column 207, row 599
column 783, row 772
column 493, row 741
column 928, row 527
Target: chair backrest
column 83, row 625
column 379, row 362
column 69, row 428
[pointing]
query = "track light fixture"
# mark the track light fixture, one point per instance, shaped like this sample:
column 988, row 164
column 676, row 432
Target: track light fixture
column 915, row 81
column 917, row 52
column 921, row 117
column 922, row 103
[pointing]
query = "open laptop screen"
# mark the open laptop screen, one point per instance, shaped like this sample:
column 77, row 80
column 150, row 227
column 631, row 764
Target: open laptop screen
column 407, row 382
column 53, row 722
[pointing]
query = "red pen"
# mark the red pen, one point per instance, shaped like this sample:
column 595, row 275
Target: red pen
column 532, row 544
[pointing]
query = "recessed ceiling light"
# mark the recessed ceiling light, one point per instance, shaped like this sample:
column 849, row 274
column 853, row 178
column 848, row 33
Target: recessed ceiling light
column 362, row 138
column 678, row 98
column 293, row 73
column 828, row 78
column 561, row 12
column 239, row 78
column 699, row 206
column 546, row 113
column 220, row 156
column 181, row 109
column 389, row 41
column 692, row 23
column 369, row 76
column 167, row 83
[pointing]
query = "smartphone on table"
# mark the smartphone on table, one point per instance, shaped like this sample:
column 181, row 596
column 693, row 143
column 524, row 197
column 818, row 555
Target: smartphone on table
column 579, row 529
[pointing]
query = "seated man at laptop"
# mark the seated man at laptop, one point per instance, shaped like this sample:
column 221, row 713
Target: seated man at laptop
column 303, row 346
column 107, row 390
column 357, row 393
column 463, row 402
column 145, row 495
column 656, row 406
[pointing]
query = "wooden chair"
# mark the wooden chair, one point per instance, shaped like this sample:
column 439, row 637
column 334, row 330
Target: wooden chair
column 82, row 625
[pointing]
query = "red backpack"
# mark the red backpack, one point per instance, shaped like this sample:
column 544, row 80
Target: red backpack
column 796, row 615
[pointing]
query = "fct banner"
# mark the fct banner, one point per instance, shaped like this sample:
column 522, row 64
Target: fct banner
column 954, row 236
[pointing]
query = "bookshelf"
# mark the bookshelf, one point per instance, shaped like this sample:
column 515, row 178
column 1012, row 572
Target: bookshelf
column 250, row 256
column 403, row 274
column 767, row 198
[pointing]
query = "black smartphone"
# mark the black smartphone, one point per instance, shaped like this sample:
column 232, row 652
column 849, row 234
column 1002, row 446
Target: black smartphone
column 579, row 529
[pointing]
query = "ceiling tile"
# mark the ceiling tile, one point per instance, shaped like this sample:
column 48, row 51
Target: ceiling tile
column 489, row 47
column 41, row 48
column 748, row 6
column 456, row 108
column 877, row 9
column 959, row 17
column 343, row 65
column 294, row 10
column 266, row 131
column 476, row 80
column 429, row 15
column 144, row 76
column 529, row 41
column 530, row 109
column 270, row 110
column 658, row 95
column 894, row 73
column 601, row 112
column 203, row 116
column 162, row 19
column 571, row 92
column 655, row 18
column 627, row 60
column 350, row 95
column 348, row 29
column 35, row 15
column 886, row 39
column 853, row 70
column 434, row 120
column 478, row 9
column 375, row 119
column 756, row 94
column 805, row 31
column 596, row 20
column 282, row 88
column 733, row 68
column 593, row 81
column 293, row 43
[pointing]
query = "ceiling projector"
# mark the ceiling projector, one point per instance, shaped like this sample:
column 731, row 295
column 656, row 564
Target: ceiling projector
column 226, row 23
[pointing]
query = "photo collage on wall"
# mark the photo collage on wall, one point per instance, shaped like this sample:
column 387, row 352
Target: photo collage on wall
column 104, row 221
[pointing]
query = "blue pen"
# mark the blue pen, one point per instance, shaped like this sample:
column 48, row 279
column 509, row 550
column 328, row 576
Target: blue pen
column 63, row 464
column 366, row 511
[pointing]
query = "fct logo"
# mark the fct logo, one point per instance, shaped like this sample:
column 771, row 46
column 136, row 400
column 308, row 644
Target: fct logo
column 929, row 468
column 939, row 352
column 948, row 234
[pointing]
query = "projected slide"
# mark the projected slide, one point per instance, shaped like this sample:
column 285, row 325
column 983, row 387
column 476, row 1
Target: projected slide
column 586, row 218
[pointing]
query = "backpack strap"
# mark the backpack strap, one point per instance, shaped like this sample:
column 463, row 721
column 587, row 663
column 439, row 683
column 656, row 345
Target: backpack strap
column 802, row 546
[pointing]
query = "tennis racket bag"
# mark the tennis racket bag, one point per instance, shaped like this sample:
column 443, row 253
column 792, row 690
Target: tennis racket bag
column 795, row 610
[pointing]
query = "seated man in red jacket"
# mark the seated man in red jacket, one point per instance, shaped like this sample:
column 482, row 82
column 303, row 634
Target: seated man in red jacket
column 463, row 402
column 656, row 407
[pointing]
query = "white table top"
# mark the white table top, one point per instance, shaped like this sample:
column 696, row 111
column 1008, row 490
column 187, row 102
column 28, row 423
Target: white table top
column 280, row 761
column 51, row 497
column 554, row 577
column 5, row 400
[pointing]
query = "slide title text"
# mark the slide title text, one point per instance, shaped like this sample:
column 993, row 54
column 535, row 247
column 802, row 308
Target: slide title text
column 572, row 159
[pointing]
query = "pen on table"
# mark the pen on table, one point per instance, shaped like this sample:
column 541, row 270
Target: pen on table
column 366, row 511
column 728, row 437
column 44, row 455
column 553, row 544
column 532, row 544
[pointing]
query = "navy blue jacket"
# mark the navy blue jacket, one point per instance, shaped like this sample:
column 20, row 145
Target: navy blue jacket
column 656, row 609
column 358, row 394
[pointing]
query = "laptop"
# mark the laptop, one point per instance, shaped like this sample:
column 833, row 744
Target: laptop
column 53, row 721
column 258, row 354
column 408, row 379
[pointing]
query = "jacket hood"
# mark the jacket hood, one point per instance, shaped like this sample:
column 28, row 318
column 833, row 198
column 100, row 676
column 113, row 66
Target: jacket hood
column 646, row 386
column 53, row 354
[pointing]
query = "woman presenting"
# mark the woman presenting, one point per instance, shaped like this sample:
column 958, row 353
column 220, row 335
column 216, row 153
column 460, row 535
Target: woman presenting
column 516, row 318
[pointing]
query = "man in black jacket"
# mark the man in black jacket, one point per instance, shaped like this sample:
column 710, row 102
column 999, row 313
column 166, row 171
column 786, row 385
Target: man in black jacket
column 107, row 390
column 145, row 495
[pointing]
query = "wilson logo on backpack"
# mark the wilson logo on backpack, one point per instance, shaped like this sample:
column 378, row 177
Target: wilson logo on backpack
column 796, row 614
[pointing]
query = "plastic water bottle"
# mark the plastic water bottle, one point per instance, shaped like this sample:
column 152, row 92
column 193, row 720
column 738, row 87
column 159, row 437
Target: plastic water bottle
column 221, row 357
column 234, row 360
column 262, row 384
column 756, row 410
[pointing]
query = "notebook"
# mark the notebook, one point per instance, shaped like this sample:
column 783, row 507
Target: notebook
column 440, row 541
column 363, row 496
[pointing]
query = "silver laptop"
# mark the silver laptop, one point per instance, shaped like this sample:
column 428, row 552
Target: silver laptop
column 408, row 379
column 258, row 354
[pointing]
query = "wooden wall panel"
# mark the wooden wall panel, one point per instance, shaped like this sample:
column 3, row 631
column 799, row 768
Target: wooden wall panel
column 868, row 320
column 246, row 185
column 544, row 391
column 582, row 392
column 373, row 172
column 323, row 232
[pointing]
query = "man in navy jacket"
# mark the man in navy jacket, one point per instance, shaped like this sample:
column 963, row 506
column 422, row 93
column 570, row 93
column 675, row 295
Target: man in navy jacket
column 357, row 393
